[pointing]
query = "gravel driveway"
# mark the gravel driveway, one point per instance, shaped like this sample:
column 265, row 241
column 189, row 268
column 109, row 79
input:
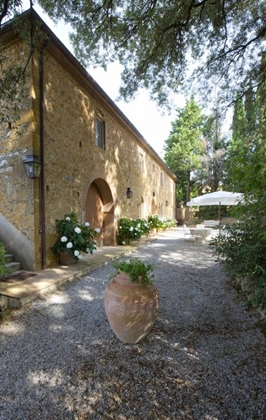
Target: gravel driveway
column 204, row 359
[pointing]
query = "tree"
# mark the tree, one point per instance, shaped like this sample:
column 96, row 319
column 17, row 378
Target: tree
column 242, row 247
column 244, row 141
column 185, row 146
column 211, row 174
column 14, row 90
column 158, row 42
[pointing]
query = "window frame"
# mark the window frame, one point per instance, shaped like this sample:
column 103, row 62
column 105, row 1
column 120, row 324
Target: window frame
column 101, row 144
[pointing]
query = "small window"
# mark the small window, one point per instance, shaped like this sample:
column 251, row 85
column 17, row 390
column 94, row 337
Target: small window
column 100, row 133
column 141, row 163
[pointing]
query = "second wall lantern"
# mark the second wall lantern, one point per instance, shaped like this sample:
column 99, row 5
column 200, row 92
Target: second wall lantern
column 129, row 192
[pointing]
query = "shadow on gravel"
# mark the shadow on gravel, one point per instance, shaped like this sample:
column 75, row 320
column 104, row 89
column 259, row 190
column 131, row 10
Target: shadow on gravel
column 203, row 360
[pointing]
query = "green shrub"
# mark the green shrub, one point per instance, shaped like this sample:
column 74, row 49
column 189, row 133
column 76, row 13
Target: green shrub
column 157, row 222
column 133, row 229
column 3, row 270
column 129, row 230
column 241, row 248
column 143, row 225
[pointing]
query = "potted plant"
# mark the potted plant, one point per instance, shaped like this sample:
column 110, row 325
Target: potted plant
column 131, row 300
column 73, row 239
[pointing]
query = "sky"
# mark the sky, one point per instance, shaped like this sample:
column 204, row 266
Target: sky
column 142, row 112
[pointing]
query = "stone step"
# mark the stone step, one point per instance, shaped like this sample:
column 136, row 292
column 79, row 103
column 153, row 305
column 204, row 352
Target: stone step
column 13, row 266
column 8, row 258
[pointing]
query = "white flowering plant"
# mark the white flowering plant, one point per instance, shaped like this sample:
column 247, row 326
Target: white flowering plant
column 131, row 230
column 158, row 222
column 74, row 237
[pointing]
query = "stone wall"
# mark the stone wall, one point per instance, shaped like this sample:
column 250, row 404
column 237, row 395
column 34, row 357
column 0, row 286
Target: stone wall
column 72, row 158
column 19, row 196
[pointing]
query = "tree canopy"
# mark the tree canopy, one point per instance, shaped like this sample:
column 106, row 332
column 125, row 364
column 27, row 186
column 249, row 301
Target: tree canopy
column 185, row 146
column 159, row 41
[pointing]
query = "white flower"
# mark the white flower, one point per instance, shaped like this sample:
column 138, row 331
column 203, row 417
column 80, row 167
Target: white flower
column 97, row 230
column 63, row 239
column 68, row 219
column 80, row 257
column 123, row 243
column 77, row 230
column 69, row 245
column 87, row 224
column 76, row 253
column 131, row 228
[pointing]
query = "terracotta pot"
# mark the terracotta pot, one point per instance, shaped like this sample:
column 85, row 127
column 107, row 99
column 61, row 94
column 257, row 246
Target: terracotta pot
column 66, row 259
column 130, row 308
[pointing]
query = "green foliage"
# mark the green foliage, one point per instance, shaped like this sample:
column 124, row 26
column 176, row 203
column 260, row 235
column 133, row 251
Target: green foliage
column 14, row 75
column 158, row 222
column 211, row 173
column 212, row 212
column 131, row 230
column 241, row 248
column 156, row 42
column 155, row 221
column 143, row 226
column 3, row 270
column 74, row 237
column 184, row 146
column 137, row 270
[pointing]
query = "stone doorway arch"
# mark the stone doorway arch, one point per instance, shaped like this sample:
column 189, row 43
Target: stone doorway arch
column 153, row 206
column 142, row 208
column 100, row 211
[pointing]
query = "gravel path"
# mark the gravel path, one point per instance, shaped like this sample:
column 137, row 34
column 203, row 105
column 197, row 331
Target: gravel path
column 204, row 359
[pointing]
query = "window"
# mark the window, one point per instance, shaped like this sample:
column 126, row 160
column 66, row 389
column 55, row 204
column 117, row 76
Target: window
column 100, row 133
column 141, row 163
column 161, row 179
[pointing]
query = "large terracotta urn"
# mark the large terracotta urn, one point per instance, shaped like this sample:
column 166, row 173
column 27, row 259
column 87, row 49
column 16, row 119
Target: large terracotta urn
column 131, row 308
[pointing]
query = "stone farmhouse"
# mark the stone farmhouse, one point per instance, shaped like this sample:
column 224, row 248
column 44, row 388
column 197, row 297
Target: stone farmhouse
column 93, row 160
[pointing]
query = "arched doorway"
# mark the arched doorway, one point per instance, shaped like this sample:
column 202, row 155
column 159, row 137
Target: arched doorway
column 142, row 208
column 100, row 211
column 153, row 206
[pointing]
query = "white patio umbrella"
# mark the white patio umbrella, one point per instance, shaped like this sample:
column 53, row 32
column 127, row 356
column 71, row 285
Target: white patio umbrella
column 217, row 198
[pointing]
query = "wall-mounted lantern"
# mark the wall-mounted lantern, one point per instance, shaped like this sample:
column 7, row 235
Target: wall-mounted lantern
column 32, row 166
column 129, row 193
column 153, row 194
column 167, row 203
